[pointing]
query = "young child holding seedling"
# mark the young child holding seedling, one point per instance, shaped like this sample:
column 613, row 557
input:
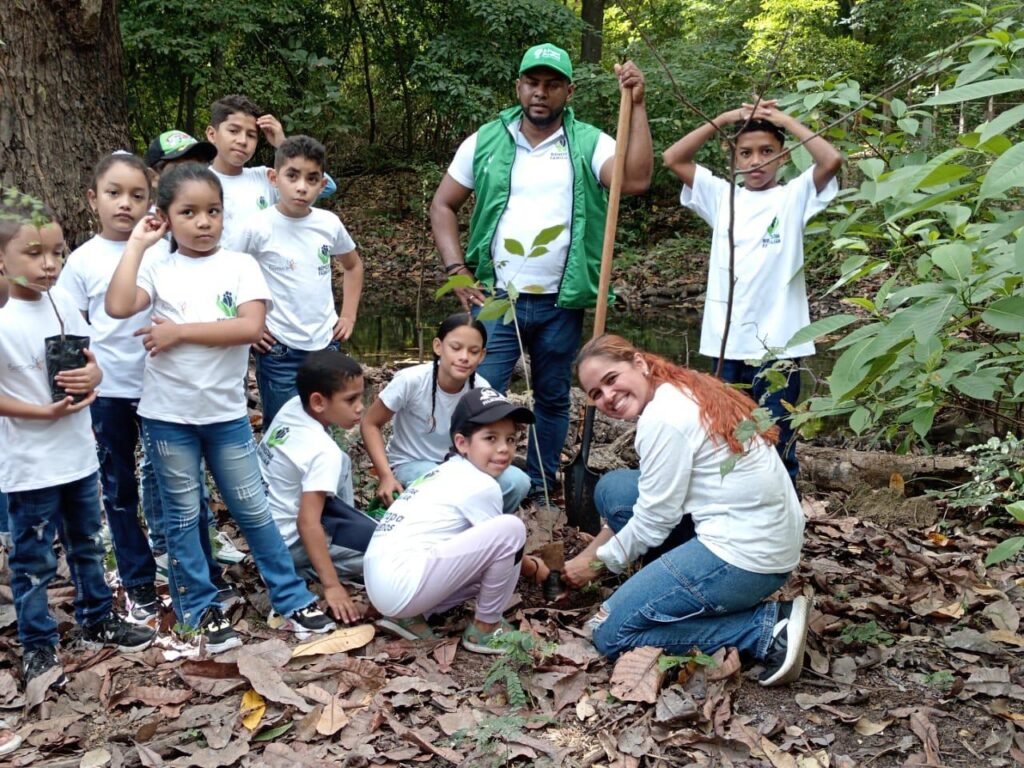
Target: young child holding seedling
column 309, row 478
column 769, row 303
column 48, row 466
column 208, row 305
column 445, row 540
column 294, row 244
column 421, row 400
column 235, row 127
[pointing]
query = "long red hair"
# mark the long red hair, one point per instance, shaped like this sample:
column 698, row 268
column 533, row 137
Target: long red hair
column 722, row 407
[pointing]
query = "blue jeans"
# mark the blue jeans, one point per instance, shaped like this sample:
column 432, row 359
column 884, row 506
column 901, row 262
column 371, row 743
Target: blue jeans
column 116, row 424
column 551, row 337
column 514, row 483
column 5, row 525
column 36, row 517
column 738, row 372
column 275, row 376
column 687, row 597
column 177, row 451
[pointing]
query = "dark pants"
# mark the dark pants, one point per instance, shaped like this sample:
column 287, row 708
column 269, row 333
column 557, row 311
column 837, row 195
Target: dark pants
column 348, row 533
column 752, row 376
column 276, row 370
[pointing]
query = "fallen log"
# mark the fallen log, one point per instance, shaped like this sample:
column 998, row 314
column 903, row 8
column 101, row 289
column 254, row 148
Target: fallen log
column 845, row 469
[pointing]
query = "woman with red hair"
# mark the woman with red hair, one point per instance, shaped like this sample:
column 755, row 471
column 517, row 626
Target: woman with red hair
column 714, row 517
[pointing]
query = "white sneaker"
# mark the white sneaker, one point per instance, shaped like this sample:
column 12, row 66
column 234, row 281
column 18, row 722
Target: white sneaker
column 224, row 550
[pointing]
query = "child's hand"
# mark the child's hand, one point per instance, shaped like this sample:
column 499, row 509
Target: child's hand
column 766, row 110
column 271, row 128
column 340, row 604
column 81, row 381
column 343, row 328
column 159, row 337
column 266, row 342
column 68, row 406
column 148, row 231
column 534, row 568
column 387, row 489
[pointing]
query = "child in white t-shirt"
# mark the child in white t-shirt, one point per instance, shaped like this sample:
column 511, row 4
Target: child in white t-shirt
column 445, row 540
column 48, row 465
column 294, row 244
column 208, row 304
column 309, row 478
column 235, row 127
column 769, row 302
column 421, row 400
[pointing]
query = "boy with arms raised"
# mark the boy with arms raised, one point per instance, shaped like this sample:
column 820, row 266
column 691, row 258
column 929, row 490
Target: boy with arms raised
column 769, row 298
column 293, row 242
column 309, row 478
column 235, row 127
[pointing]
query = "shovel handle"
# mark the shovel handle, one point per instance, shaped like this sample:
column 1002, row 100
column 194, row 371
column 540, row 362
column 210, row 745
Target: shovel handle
column 612, row 220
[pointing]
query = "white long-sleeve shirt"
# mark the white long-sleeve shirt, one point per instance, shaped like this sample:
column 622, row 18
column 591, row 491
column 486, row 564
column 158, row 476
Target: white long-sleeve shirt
column 751, row 517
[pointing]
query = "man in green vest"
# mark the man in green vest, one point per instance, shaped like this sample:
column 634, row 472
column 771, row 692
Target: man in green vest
column 540, row 178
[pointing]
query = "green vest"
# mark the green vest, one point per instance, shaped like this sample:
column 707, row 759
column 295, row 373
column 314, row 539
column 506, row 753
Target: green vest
column 492, row 174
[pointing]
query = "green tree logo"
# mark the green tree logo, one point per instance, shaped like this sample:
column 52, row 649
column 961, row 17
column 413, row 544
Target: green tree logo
column 278, row 437
column 261, row 203
column 324, row 254
column 773, row 228
column 226, row 303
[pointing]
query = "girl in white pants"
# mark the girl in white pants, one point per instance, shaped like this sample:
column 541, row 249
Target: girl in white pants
column 445, row 540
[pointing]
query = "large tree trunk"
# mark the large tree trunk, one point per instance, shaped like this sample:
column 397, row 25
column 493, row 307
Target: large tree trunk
column 593, row 16
column 62, row 103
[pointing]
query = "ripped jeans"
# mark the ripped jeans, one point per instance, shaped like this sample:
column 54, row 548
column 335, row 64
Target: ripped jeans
column 36, row 517
column 177, row 451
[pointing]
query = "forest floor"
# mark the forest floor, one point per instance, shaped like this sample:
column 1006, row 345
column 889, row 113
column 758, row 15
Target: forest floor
column 913, row 659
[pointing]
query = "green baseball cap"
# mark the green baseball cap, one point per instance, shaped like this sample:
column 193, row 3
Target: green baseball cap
column 172, row 145
column 547, row 55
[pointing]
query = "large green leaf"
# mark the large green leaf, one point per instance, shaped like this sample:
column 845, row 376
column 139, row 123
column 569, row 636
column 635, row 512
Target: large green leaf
column 1007, row 171
column 850, row 369
column 1005, row 550
column 514, row 247
column 820, row 328
column 976, row 91
column 1001, row 123
column 954, row 259
column 545, row 236
column 1006, row 314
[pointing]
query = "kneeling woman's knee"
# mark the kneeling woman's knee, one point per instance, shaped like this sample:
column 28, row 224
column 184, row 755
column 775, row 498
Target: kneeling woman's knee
column 605, row 640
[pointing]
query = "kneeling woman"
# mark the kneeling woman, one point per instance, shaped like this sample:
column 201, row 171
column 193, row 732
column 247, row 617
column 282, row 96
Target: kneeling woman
column 445, row 540
column 715, row 545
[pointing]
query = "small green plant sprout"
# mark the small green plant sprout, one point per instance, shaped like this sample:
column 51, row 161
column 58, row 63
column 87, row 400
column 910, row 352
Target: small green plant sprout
column 520, row 651
column 665, row 663
column 941, row 679
column 491, row 738
column 760, row 421
column 868, row 633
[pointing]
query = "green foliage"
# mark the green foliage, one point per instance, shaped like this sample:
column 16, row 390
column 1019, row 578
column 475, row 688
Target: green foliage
column 997, row 476
column 666, row 663
column 520, row 651
column 941, row 679
column 868, row 633
column 491, row 737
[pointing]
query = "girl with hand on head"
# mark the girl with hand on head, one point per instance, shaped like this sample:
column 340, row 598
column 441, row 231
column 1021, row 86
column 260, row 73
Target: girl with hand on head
column 421, row 400
column 714, row 546
column 208, row 305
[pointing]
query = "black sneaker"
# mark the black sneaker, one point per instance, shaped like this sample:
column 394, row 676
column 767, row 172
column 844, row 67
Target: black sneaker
column 116, row 632
column 217, row 630
column 305, row 621
column 143, row 605
column 36, row 661
column 785, row 659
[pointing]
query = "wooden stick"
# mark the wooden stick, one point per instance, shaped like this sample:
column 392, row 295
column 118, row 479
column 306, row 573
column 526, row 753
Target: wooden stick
column 612, row 220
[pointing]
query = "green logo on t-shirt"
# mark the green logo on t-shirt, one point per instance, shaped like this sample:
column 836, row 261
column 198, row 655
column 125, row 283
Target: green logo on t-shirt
column 227, row 304
column 277, row 437
column 324, row 254
column 772, row 236
column 261, row 203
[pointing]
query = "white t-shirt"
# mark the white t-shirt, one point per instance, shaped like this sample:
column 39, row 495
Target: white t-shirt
column 298, row 456
column 751, row 518
column 442, row 503
column 119, row 353
column 39, row 453
column 295, row 256
column 540, row 197
column 414, row 437
column 193, row 383
column 770, row 297
column 245, row 194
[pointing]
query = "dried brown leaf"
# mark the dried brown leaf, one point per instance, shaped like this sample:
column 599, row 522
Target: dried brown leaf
column 727, row 663
column 361, row 673
column 333, row 718
column 867, row 727
column 267, row 682
column 569, row 688
column 636, row 676
column 926, row 731
column 204, row 757
column 95, row 758
column 148, row 758
column 444, row 654
column 776, row 756
column 675, row 706
column 151, row 696
column 339, row 641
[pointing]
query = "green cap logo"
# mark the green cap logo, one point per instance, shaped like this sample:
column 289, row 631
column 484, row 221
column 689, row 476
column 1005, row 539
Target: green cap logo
column 547, row 55
column 172, row 141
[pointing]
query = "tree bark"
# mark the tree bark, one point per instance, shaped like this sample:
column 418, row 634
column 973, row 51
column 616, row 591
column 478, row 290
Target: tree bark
column 593, row 16
column 62, row 101
column 845, row 469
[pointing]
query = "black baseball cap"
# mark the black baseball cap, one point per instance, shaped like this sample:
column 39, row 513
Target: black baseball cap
column 486, row 406
column 172, row 145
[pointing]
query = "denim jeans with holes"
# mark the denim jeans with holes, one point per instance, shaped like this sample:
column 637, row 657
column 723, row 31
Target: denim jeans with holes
column 36, row 517
column 551, row 336
column 275, row 376
column 688, row 597
column 177, row 451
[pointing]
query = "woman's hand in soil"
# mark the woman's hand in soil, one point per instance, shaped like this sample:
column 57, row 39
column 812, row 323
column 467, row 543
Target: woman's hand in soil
column 68, row 406
column 535, row 569
column 387, row 489
column 578, row 571
column 341, row 606
column 161, row 336
column 81, row 381
column 148, row 231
